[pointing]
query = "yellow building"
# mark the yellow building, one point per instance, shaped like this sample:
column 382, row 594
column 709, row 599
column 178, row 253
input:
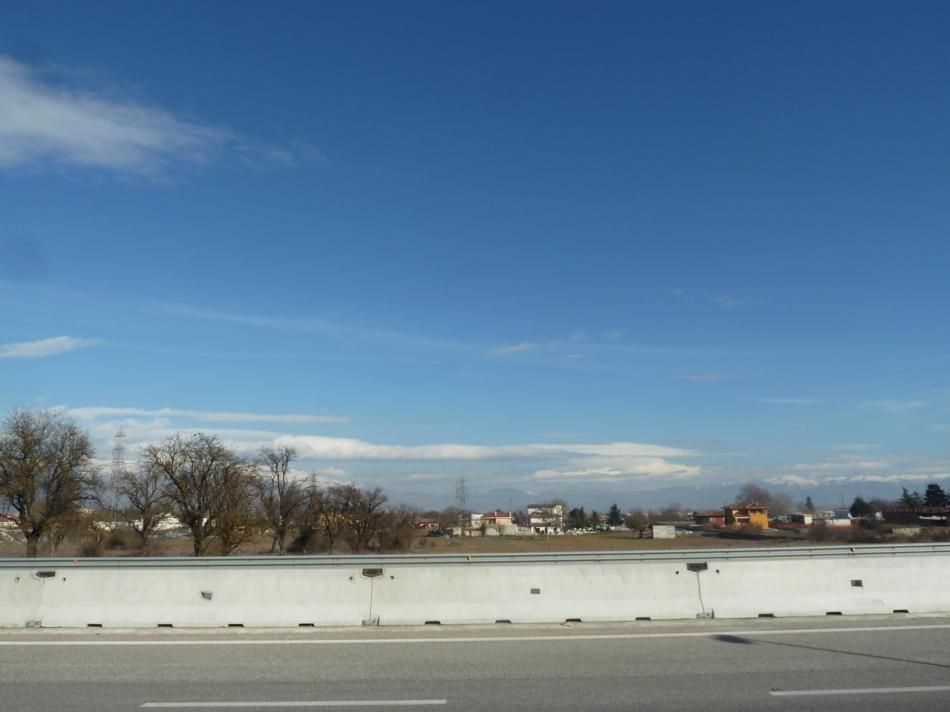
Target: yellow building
column 747, row 515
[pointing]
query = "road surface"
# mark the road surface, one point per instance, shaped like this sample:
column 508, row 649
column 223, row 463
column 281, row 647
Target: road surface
column 866, row 664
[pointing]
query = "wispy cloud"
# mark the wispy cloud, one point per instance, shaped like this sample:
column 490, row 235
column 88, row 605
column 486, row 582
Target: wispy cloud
column 789, row 401
column 514, row 348
column 895, row 407
column 706, row 377
column 843, row 463
column 309, row 325
column 572, row 346
column 726, row 301
column 205, row 416
column 855, row 447
column 44, row 347
column 44, row 124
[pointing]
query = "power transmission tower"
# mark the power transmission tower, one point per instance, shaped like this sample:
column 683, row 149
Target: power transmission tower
column 461, row 501
column 118, row 469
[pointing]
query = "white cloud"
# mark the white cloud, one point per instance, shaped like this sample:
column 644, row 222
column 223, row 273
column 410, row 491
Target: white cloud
column 45, row 123
column 635, row 469
column 793, row 481
column 323, row 477
column 513, row 348
column 44, row 347
column 207, row 416
column 617, row 461
column 320, row 447
column 572, row 461
column 618, row 449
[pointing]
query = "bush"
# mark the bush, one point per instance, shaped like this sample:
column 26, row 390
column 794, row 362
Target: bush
column 306, row 542
column 117, row 539
column 90, row 546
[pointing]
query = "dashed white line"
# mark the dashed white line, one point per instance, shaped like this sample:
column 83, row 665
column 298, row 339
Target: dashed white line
column 293, row 703
column 860, row 691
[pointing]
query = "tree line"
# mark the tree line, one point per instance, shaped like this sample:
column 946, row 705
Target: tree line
column 48, row 475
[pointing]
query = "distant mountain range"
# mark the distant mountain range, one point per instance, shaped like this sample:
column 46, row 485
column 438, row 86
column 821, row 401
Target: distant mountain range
column 706, row 496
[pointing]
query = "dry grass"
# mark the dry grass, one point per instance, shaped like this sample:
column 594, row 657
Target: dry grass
column 604, row 541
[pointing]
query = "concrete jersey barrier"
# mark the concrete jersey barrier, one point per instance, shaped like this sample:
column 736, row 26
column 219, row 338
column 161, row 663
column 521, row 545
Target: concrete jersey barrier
column 489, row 588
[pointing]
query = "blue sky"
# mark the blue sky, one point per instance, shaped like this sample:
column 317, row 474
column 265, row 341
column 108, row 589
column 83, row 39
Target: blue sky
column 550, row 247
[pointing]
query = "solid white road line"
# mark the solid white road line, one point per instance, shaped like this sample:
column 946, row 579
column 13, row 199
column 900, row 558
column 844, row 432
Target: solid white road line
column 293, row 703
column 472, row 639
column 860, row 691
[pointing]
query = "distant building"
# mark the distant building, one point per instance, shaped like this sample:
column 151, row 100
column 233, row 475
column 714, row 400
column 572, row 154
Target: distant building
column 714, row 518
column 832, row 518
column 804, row 519
column 750, row 514
column 496, row 519
column 921, row 516
column 428, row 524
column 546, row 518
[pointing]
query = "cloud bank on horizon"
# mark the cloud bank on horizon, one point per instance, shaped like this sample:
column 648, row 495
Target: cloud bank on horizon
column 559, row 466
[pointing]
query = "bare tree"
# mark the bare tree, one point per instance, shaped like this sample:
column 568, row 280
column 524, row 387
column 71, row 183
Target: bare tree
column 46, row 470
column 639, row 521
column 207, row 486
column 362, row 511
column 282, row 499
column 234, row 513
column 144, row 490
column 449, row 518
column 332, row 504
column 397, row 529
column 308, row 520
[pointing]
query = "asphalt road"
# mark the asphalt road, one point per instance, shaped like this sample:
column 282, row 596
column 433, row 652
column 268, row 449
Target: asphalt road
column 867, row 664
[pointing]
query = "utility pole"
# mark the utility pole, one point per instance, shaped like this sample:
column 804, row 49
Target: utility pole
column 461, row 501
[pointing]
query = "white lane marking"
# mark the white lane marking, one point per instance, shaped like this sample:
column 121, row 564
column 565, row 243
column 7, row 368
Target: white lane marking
column 293, row 703
column 859, row 691
column 473, row 639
